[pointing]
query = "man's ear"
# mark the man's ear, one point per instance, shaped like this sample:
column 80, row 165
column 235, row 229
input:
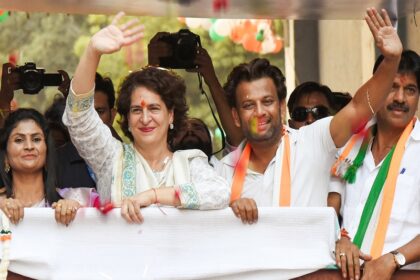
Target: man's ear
column 283, row 110
column 235, row 116
column 291, row 123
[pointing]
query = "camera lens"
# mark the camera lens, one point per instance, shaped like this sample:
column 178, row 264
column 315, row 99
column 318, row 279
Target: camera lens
column 31, row 81
column 185, row 51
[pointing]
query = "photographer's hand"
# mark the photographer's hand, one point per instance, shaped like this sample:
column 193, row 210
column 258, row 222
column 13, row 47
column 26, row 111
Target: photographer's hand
column 157, row 48
column 65, row 85
column 9, row 83
column 206, row 69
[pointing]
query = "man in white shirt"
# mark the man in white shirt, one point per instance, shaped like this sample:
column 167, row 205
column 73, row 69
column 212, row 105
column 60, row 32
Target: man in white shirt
column 400, row 243
column 256, row 93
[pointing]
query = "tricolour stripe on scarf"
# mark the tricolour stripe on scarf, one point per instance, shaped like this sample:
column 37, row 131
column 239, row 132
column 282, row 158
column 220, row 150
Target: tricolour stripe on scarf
column 389, row 192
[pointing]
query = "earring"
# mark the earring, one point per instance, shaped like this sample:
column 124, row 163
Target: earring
column 171, row 126
column 6, row 167
column 129, row 129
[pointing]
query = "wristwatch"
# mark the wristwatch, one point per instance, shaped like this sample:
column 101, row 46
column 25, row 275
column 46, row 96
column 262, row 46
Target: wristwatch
column 398, row 258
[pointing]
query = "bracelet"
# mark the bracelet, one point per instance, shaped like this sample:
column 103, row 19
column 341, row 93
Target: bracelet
column 156, row 197
column 345, row 233
column 177, row 192
column 368, row 101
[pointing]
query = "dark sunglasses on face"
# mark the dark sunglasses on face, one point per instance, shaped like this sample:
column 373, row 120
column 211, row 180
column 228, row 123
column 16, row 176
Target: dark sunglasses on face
column 300, row 114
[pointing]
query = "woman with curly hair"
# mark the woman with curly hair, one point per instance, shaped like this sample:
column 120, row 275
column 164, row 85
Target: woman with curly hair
column 153, row 108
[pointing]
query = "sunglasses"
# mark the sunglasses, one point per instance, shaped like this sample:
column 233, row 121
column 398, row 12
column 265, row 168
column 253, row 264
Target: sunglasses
column 300, row 114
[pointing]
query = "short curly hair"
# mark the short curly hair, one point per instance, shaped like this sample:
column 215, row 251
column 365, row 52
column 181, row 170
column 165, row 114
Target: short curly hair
column 256, row 69
column 167, row 84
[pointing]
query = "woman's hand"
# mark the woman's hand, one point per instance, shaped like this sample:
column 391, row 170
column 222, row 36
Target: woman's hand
column 347, row 258
column 130, row 207
column 112, row 38
column 385, row 35
column 246, row 209
column 65, row 210
column 13, row 208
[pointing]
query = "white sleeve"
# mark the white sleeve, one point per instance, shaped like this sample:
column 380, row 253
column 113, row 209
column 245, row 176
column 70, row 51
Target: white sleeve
column 207, row 190
column 337, row 185
column 91, row 137
column 319, row 131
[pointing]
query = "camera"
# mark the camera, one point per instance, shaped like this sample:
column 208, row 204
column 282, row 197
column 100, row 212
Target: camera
column 184, row 45
column 33, row 79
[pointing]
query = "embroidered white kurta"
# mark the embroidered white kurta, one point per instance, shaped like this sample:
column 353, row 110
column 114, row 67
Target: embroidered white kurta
column 311, row 155
column 404, row 223
column 201, row 188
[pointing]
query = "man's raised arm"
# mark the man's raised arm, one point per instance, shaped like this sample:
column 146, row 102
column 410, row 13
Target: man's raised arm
column 371, row 96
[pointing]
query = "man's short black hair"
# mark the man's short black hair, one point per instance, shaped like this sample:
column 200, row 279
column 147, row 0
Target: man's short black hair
column 307, row 88
column 409, row 64
column 106, row 86
column 256, row 69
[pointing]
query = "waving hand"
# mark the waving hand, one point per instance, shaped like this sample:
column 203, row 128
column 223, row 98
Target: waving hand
column 386, row 37
column 113, row 37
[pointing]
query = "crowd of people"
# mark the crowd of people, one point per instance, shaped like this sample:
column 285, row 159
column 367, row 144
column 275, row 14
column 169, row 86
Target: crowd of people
column 354, row 154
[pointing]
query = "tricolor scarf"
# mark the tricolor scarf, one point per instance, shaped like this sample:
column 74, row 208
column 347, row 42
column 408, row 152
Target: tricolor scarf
column 242, row 166
column 385, row 180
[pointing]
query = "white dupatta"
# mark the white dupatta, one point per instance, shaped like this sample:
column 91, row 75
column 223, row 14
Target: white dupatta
column 132, row 174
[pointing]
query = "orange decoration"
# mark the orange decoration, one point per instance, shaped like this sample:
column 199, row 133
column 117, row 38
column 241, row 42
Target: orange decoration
column 250, row 27
column 237, row 33
column 279, row 45
column 251, row 44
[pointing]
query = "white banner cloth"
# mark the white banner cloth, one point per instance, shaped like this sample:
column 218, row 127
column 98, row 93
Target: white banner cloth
column 184, row 244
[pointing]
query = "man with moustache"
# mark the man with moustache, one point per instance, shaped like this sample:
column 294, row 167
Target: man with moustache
column 278, row 167
column 382, row 217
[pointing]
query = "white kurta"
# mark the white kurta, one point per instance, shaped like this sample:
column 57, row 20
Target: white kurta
column 201, row 188
column 404, row 224
column 312, row 154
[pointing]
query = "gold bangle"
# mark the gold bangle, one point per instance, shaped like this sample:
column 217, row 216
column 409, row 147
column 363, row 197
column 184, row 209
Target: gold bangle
column 368, row 101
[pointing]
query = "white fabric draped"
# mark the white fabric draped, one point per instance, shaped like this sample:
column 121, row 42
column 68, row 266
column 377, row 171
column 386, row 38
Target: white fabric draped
column 184, row 244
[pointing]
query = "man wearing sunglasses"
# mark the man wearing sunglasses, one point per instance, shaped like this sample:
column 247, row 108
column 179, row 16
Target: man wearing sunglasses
column 308, row 103
column 276, row 167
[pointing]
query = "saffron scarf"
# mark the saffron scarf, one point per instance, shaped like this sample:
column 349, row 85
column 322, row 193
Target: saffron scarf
column 242, row 166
